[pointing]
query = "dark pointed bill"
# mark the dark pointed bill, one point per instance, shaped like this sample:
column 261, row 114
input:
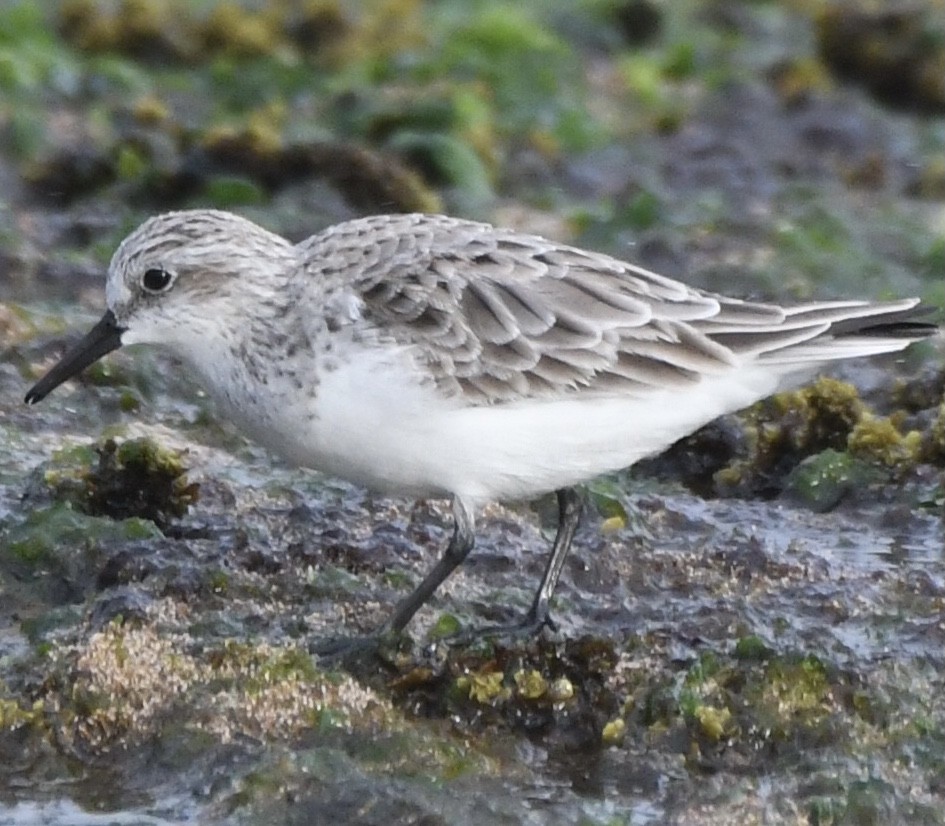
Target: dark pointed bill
column 101, row 339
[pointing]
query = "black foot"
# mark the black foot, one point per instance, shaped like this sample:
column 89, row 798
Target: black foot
column 377, row 646
column 382, row 646
column 530, row 626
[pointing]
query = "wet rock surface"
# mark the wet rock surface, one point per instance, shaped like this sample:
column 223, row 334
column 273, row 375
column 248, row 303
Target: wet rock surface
column 749, row 628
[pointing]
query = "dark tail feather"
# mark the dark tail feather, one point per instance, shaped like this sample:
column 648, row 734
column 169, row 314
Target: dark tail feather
column 903, row 324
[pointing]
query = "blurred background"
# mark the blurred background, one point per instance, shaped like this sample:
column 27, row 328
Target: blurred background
column 796, row 147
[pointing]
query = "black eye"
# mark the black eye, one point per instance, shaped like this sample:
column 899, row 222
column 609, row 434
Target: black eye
column 156, row 280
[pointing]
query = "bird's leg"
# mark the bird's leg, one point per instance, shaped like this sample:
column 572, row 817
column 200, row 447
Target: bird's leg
column 570, row 507
column 464, row 537
column 461, row 543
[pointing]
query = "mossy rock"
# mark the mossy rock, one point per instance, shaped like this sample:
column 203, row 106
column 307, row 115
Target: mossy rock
column 822, row 442
column 53, row 558
column 136, row 478
column 821, row 482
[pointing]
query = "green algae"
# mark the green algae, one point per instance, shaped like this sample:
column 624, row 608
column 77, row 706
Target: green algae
column 128, row 683
column 778, row 703
column 787, row 706
column 788, row 427
column 47, row 535
column 529, row 686
column 234, row 31
column 31, row 56
column 52, row 557
column 880, row 440
column 446, row 161
column 135, row 478
column 522, row 63
column 15, row 714
column 793, row 701
column 446, row 625
column 105, row 373
column 821, row 443
column 228, row 191
column 823, row 480
column 752, row 648
column 257, row 667
column 485, row 686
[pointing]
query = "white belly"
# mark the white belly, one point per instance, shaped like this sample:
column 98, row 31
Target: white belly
column 376, row 425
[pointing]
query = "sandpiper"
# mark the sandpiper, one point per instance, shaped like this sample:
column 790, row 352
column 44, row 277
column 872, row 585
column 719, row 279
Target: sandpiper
column 429, row 356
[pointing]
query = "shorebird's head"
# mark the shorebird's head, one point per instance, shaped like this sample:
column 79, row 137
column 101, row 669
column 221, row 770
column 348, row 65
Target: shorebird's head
column 172, row 281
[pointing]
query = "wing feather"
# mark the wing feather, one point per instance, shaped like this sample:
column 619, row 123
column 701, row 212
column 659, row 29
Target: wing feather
column 495, row 316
